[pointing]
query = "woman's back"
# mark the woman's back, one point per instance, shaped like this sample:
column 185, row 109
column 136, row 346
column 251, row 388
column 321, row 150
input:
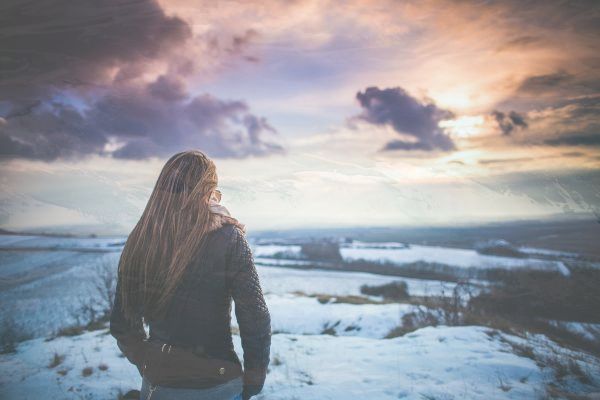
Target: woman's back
column 182, row 265
column 199, row 316
column 200, row 313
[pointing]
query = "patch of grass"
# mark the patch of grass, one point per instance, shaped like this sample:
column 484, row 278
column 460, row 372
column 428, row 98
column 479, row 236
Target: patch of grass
column 523, row 350
column 349, row 299
column 503, row 385
column 74, row 330
column 397, row 331
column 578, row 372
column 56, row 360
column 87, row 371
column 413, row 321
column 276, row 361
column 330, row 329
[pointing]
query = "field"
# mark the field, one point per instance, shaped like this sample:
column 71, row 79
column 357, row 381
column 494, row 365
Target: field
column 350, row 318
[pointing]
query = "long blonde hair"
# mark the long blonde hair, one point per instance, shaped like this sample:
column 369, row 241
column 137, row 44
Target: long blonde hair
column 170, row 231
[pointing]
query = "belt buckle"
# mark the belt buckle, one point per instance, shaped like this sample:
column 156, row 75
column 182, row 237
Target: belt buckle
column 162, row 349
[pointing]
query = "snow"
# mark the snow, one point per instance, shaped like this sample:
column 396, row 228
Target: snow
column 285, row 280
column 41, row 297
column 401, row 253
column 306, row 315
column 111, row 243
column 270, row 250
column 587, row 331
column 441, row 363
column 464, row 258
column 353, row 361
column 42, row 287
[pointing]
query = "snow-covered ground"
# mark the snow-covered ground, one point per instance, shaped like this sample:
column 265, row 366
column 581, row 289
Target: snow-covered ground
column 39, row 289
column 401, row 253
column 464, row 258
column 81, row 243
column 40, row 297
column 353, row 360
column 431, row 363
column 306, row 315
column 284, row 280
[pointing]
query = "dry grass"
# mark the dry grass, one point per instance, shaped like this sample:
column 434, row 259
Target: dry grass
column 56, row 360
column 349, row 299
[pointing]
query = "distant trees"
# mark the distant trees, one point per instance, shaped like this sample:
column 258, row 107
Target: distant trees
column 322, row 250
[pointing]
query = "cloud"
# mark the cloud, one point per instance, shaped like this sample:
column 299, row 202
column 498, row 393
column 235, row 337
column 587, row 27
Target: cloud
column 62, row 43
column 542, row 83
column 111, row 78
column 518, row 43
column 575, row 140
column 168, row 88
column 408, row 116
column 138, row 122
column 569, row 123
column 507, row 122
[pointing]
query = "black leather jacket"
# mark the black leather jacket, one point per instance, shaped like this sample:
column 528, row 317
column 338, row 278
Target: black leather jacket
column 200, row 312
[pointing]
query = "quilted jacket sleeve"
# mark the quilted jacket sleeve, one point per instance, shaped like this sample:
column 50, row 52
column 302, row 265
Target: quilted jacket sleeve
column 251, row 312
column 129, row 336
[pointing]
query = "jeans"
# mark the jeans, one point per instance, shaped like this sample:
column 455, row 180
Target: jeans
column 231, row 390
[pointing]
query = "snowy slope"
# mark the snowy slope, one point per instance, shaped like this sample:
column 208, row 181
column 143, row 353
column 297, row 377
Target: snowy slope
column 441, row 363
column 306, row 315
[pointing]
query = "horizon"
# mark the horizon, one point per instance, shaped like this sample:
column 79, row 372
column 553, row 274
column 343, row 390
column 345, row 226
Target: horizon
column 83, row 232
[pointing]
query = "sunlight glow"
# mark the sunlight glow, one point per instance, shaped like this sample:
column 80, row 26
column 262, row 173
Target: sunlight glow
column 464, row 126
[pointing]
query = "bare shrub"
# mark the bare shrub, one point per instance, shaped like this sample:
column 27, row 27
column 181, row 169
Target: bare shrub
column 105, row 283
column 397, row 290
column 11, row 334
column 93, row 310
column 541, row 294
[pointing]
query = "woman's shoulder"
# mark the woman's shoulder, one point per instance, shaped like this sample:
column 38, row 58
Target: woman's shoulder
column 229, row 232
column 224, row 223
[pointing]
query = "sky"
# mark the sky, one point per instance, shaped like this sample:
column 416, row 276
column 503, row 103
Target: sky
column 316, row 113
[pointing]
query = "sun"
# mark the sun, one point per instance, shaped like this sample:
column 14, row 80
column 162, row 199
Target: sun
column 464, row 126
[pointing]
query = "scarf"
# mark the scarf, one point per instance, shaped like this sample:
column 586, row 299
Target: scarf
column 220, row 215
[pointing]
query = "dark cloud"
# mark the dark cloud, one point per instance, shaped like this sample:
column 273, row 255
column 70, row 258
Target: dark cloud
column 408, row 116
column 519, row 42
column 575, row 140
column 573, row 154
column 236, row 44
column 542, row 83
column 139, row 125
column 508, row 122
column 74, row 82
column 168, row 88
column 44, row 46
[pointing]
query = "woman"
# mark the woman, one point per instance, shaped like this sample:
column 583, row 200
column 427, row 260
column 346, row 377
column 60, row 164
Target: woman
column 181, row 266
